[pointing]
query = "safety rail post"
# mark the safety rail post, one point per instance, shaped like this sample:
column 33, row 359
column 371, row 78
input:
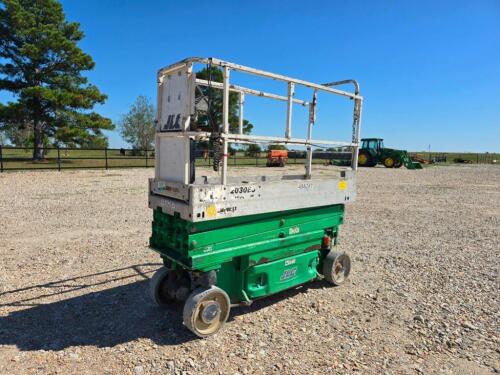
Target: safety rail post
column 312, row 119
column 1, row 159
column 241, row 99
column 356, row 131
column 291, row 93
column 225, row 123
column 106, row 156
column 58, row 159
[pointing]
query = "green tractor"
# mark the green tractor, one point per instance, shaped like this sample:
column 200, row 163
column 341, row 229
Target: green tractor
column 373, row 152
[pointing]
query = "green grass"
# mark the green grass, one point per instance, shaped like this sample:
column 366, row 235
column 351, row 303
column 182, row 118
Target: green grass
column 474, row 158
column 16, row 159
column 129, row 162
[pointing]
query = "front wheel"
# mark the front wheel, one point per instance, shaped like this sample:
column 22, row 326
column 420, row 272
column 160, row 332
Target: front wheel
column 206, row 310
column 389, row 162
column 336, row 267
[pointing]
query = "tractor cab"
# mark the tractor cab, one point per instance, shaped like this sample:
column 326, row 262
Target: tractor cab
column 372, row 143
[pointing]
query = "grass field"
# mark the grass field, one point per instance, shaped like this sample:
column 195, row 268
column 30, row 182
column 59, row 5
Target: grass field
column 17, row 159
column 475, row 158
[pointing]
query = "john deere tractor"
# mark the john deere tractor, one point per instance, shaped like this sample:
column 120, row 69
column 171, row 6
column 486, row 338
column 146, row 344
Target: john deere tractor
column 373, row 152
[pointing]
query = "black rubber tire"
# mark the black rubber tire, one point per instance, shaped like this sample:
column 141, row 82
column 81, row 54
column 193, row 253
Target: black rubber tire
column 369, row 160
column 191, row 313
column 157, row 289
column 389, row 162
column 398, row 164
column 336, row 267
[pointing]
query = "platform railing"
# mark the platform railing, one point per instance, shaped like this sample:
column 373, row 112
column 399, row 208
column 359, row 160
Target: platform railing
column 292, row 83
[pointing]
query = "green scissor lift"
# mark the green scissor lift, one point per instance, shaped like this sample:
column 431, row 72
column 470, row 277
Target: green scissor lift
column 227, row 241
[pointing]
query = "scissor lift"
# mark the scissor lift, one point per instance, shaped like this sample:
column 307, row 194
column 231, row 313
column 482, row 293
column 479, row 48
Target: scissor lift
column 227, row 240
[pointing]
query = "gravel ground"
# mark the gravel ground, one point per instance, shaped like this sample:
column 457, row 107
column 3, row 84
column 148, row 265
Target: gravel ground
column 422, row 297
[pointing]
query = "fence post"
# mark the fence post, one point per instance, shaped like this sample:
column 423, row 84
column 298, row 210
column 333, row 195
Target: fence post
column 58, row 159
column 146, row 157
column 1, row 159
column 106, row 156
column 256, row 159
column 477, row 158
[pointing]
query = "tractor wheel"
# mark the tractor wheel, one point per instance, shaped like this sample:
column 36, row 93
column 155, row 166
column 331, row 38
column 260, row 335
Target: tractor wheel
column 336, row 267
column 365, row 160
column 398, row 164
column 206, row 310
column 389, row 162
column 158, row 287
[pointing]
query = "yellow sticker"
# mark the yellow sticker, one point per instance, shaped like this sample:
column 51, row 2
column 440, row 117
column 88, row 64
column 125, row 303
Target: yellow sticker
column 342, row 185
column 211, row 211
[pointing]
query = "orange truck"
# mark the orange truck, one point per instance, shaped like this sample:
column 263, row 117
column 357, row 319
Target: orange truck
column 277, row 158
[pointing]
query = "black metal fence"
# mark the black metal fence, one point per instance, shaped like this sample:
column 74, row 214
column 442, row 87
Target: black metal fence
column 459, row 157
column 21, row 158
column 59, row 158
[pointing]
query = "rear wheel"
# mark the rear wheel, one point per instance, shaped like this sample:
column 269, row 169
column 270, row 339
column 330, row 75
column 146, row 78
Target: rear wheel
column 158, row 287
column 336, row 267
column 206, row 310
column 389, row 162
column 365, row 160
column 167, row 286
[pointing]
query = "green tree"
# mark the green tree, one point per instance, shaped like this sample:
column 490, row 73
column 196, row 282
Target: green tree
column 276, row 147
column 137, row 127
column 253, row 150
column 41, row 65
column 212, row 119
column 18, row 135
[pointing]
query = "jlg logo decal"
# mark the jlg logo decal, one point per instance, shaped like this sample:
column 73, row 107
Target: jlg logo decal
column 288, row 274
column 173, row 123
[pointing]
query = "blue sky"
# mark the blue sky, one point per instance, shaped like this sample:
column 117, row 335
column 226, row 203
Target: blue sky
column 429, row 70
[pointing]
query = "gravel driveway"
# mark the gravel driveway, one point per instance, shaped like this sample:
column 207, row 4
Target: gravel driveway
column 422, row 297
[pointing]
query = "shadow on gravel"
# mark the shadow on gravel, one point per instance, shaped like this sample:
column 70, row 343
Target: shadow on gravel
column 106, row 318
